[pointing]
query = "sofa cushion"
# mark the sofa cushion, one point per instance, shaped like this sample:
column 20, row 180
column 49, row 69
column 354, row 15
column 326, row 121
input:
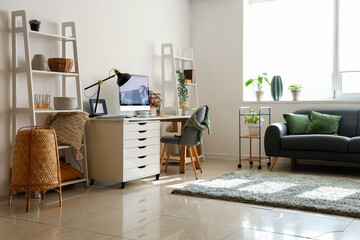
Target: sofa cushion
column 354, row 145
column 315, row 142
column 321, row 123
column 297, row 123
column 349, row 120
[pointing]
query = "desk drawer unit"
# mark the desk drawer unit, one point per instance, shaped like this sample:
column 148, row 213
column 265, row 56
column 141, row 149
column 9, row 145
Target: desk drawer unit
column 141, row 142
column 122, row 150
column 141, row 161
column 142, row 171
column 141, row 150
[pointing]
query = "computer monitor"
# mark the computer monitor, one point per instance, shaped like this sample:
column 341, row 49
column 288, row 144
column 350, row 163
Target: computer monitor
column 134, row 94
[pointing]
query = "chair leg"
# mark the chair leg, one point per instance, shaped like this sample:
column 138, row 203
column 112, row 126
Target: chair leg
column 10, row 197
column 273, row 163
column 195, row 153
column 60, row 196
column 168, row 157
column 28, row 201
column 43, row 195
column 293, row 162
column 162, row 155
column 192, row 162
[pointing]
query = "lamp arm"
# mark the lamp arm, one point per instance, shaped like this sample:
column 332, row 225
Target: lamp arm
column 99, row 82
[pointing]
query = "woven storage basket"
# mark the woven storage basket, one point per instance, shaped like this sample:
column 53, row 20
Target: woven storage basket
column 36, row 164
column 60, row 64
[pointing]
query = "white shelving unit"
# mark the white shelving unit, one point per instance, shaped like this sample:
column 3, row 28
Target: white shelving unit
column 20, row 27
column 169, row 83
column 169, row 64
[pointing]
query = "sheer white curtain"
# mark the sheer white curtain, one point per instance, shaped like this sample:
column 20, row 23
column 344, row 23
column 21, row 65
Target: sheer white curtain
column 293, row 39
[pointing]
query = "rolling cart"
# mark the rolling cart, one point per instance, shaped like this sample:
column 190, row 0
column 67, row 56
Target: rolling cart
column 252, row 158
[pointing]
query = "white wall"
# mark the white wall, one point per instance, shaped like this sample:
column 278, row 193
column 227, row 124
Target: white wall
column 123, row 34
column 217, row 39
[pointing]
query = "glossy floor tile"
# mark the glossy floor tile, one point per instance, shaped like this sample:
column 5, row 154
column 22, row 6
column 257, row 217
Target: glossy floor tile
column 146, row 209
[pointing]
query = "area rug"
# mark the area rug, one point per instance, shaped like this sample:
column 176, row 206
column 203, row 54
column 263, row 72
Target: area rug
column 332, row 195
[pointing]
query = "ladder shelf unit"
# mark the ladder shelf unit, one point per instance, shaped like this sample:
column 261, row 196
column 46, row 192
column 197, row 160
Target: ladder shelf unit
column 20, row 27
column 169, row 84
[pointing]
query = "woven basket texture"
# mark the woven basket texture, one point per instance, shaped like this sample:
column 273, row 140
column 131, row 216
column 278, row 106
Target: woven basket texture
column 60, row 64
column 36, row 161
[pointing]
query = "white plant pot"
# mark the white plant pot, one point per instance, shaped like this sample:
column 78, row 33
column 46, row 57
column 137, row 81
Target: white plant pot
column 254, row 129
column 259, row 95
column 295, row 95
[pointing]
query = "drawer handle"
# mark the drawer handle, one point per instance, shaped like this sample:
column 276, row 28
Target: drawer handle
column 142, row 139
column 141, row 123
column 142, row 166
column 141, row 147
column 142, row 131
column 142, row 157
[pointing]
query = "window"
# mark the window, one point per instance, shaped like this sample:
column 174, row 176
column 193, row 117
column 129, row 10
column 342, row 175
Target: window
column 349, row 48
column 297, row 39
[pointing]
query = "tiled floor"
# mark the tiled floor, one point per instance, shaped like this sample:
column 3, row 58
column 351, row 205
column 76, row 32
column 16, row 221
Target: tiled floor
column 145, row 209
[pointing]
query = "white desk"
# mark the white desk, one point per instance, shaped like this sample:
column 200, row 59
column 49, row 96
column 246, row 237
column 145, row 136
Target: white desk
column 125, row 149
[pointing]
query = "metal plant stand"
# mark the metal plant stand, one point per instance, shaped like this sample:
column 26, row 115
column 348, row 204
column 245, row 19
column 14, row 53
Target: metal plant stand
column 252, row 158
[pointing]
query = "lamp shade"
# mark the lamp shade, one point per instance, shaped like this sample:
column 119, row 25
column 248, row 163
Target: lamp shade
column 122, row 78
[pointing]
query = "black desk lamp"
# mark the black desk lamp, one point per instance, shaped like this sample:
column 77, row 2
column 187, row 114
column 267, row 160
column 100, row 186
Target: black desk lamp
column 122, row 78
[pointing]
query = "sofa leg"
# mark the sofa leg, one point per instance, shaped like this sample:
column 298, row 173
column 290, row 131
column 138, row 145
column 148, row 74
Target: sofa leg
column 293, row 162
column 273, row 162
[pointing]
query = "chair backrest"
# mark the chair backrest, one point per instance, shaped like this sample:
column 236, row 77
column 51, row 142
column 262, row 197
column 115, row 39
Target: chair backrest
column 190, row 135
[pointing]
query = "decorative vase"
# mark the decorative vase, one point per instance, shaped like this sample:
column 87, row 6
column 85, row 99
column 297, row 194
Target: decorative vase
column 276, row 88
column 295, row 95
column 39, row 62
column 35, row 27
column 259, row 95
column 254, row 129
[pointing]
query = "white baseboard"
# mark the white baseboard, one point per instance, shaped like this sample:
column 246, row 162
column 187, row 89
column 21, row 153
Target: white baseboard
column 222, row 156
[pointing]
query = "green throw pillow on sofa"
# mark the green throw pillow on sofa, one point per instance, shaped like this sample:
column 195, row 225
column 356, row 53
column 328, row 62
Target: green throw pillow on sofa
column 297, row 123
column 323, row 123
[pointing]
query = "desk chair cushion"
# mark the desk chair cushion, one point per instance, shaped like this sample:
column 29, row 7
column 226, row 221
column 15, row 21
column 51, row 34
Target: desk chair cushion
column 170, row 139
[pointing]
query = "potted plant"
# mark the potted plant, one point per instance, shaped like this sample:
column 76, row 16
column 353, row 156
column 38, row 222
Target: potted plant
column 182, row 89
column 34, row 24
column 263, row 77
column 253, row 121
column 295, row 91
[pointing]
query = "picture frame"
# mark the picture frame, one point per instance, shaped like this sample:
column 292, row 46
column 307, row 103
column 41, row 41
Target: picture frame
column 101, row 107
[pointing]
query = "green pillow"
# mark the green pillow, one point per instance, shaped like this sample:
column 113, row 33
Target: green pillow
column 297, row 123
column 323, row 123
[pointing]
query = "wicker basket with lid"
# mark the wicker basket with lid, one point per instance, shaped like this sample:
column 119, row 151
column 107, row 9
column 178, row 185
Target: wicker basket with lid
column 36, row 164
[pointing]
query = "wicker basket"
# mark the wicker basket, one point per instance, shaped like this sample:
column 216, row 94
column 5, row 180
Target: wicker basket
column 60, row 64
column 36, row 164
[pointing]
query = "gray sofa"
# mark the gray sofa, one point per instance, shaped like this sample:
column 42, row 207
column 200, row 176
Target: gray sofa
column 344, row 147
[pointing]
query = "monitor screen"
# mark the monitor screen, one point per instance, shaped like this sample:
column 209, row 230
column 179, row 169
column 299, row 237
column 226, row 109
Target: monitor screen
column 135, row 92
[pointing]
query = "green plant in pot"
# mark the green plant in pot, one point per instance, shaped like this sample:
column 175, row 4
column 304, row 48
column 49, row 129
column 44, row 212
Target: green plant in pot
column 183, row 92
column 295, row 91
column 259, row 81
column 34, row 25
column 253, row 121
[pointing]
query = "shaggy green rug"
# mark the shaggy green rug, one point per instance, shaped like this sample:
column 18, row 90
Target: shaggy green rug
column 332, row 195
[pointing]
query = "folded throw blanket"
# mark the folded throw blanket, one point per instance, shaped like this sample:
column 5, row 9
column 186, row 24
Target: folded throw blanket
column 192, row 122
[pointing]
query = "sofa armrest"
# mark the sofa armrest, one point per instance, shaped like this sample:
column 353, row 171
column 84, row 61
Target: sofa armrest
column 273, row 134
